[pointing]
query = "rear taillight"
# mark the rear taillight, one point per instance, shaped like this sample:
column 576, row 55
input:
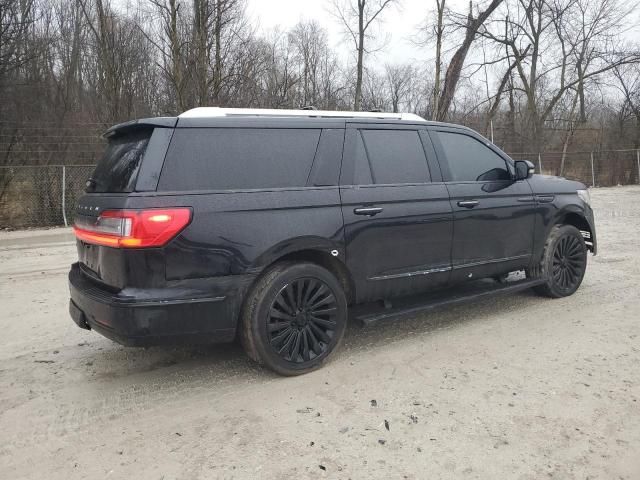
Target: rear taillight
column 154, row 227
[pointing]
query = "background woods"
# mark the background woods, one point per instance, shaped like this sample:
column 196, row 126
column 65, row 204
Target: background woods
column 555, row 81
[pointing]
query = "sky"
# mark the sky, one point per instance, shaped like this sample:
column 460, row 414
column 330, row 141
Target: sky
column 399, row 23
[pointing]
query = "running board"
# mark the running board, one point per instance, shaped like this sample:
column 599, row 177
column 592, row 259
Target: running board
column 369, row 313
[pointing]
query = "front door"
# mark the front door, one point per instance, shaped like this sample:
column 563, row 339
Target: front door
column 493, row 214
column 397, row 215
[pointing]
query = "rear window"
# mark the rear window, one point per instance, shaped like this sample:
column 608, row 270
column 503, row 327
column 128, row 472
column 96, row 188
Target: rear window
column 118, row 169
column 238, row 158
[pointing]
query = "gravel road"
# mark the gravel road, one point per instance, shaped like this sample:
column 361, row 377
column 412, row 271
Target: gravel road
column 520, row 387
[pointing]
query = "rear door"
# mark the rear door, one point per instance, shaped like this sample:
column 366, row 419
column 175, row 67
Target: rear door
column 397, row 216
column 494, row 215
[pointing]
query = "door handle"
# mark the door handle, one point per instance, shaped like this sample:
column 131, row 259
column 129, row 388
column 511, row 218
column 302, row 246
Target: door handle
column 545, row 198
column 468, row 203
column 368, row 211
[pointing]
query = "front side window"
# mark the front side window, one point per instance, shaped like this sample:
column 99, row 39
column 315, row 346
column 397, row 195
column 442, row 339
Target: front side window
column 470, row 160
column 238, row 158
column 390, row 157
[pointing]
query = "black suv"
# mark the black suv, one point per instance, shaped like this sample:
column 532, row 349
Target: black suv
column 274, row 226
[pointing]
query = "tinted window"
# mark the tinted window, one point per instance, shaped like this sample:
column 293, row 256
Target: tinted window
column 236, row 158
column 471, row 160
column 326, row 165
column 117, row 170
column 396, row 156
column 362, row 169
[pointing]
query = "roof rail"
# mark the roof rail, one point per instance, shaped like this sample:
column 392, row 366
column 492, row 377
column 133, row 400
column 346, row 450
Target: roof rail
column 209, row 112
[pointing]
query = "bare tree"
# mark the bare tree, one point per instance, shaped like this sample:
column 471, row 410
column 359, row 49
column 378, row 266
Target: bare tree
column 374, row 93
column 309, row 41
column 357, row 17
column 439, row 37
column 472, row 25
column 82, row 64
column 556, row 65
column 281, row 78
column 628, row 82
column 120, row 58
column 215, row 26
column 592, row 29
column 169, row 40
column 16, row 17
column 398, row 80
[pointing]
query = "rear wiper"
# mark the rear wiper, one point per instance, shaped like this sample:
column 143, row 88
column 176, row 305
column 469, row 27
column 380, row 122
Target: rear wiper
column 90, row 185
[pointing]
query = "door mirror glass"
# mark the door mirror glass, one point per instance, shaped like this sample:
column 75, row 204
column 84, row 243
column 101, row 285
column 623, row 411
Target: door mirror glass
column 524, row 169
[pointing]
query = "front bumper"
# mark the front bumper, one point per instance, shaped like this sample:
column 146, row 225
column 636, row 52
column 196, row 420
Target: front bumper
column 188, row 312
column 592, row 226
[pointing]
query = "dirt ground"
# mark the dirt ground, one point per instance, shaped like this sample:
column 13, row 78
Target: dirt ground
column 520, row 387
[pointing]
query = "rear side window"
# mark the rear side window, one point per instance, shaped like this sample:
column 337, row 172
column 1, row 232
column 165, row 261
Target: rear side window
column 395, row 156
column 471, row 160
column 118, row 169
column 238, row 158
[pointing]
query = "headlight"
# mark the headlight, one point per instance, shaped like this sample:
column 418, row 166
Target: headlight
column 584, row 195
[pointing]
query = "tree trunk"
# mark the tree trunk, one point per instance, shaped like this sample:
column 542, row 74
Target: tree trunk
column 570, row 130
column 457, row 62
column 580, row 87
column 358, row 94
column 436, row 82
column 176, row 56
column 217, row 72
column 200, row 17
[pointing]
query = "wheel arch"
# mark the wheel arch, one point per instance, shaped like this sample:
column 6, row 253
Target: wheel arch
column 576, row 218
column 318, row 251
column 324, row 259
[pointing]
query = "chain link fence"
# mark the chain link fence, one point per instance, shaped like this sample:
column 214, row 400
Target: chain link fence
column 42, row 196
column 595, row 169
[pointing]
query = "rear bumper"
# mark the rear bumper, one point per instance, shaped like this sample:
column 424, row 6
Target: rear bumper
column 189, row 312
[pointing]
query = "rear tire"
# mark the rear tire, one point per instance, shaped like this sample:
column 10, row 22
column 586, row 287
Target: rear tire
column 293, row 318
column 563, row 263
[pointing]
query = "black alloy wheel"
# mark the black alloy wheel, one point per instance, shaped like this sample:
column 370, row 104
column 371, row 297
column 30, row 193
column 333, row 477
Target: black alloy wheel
column 569, row 262
column 294, row 317
column 302, row 320
column 563, row 263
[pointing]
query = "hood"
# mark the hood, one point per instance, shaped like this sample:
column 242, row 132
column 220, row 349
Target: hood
column 553, row 184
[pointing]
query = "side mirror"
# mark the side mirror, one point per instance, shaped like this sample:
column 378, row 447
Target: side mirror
column 524, row 169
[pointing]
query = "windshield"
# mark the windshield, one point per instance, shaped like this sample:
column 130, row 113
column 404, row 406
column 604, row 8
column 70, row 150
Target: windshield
column 118, row 169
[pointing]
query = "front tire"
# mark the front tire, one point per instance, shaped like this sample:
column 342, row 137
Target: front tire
column 563, row 264
column 293, row 318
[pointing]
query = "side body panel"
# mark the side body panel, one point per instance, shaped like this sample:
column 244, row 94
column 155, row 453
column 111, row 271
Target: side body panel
column 241, row 232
